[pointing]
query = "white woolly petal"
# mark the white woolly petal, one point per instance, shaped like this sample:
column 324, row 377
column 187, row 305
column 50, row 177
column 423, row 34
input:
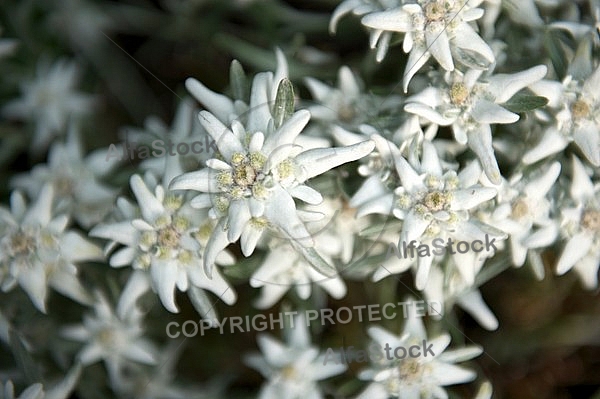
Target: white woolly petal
column 576, row 248
column 551, row 143
column 221, row 106
column 439, row 47
column 226, row 141
column 428, row 113
column 487, row 112
column 474, row 304
column 471, row 197
column 504, row 86
column 539, row 187
column 150, row 206
column 587, row 139
column 480, row 141
column 306, row 194
column 416, row 59
column 203, row 180
column 239, row 215
column 164, row 276
column 319, row 160
column 395, row 20
column 582, row 186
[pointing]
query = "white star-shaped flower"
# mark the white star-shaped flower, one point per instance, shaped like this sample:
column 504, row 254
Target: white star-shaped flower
column 577, row 118
column 433, row 204
column 114, row 339
column 438, row 28
column 166, row 244
column 37, row 250
column 49, row 101
column 471, row 105
column 76, row 180
column 523, row 211
column 421, row 377
column 580, row 225
column 252, row 185
column 292, row 370
column 347, row 105
column 285, row 268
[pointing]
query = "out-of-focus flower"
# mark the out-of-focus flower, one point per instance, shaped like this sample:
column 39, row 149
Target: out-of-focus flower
column 61, row 390
column 292, row 370
column 448, row 287
column 347, row 105
column 438, row 28
column 285, row 268
column 75, row 179
column 37, row 250
column 580, row 227
column 421, row 377
column 470, row 106
column 157, row 137
column 577, row 118
column 114, row 339
column 49, row 101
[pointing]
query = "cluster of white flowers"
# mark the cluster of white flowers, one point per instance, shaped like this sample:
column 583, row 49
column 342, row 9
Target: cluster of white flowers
column 302, row 200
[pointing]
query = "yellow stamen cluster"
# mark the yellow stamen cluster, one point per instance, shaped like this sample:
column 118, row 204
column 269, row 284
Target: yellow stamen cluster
column 519, row 209
column 580, row 109
column 459, row 94
column 590, row 219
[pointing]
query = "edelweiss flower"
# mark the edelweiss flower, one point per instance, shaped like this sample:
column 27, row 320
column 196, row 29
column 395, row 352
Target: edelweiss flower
column 348, row 105
column 251, row 188
column 49, row 101
column 292, row 370
column 433, row 204
column 185, row 128
column 438, row 28
column 262, row 96
column 114, row 339
column 379, row 38
column 421, row 377
column 577, row 119
column 447, row 286
column 37, row 250
column 470, row 106
column 523, row 211
column 284, row 268
column 581, row 227
column 75, row 179
column 167, row 243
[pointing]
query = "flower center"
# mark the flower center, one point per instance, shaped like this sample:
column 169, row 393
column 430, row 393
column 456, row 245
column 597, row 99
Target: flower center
column 434, row 11
column 22, row 244
column 459, row 93
column 346, row 113
column 591, row 220
column 168, row 237
column 436, row 200
column 246, row 177
column 288, row 372
column 580, row 109
column 63, row 186
column 410, row 370
column 519, row 209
